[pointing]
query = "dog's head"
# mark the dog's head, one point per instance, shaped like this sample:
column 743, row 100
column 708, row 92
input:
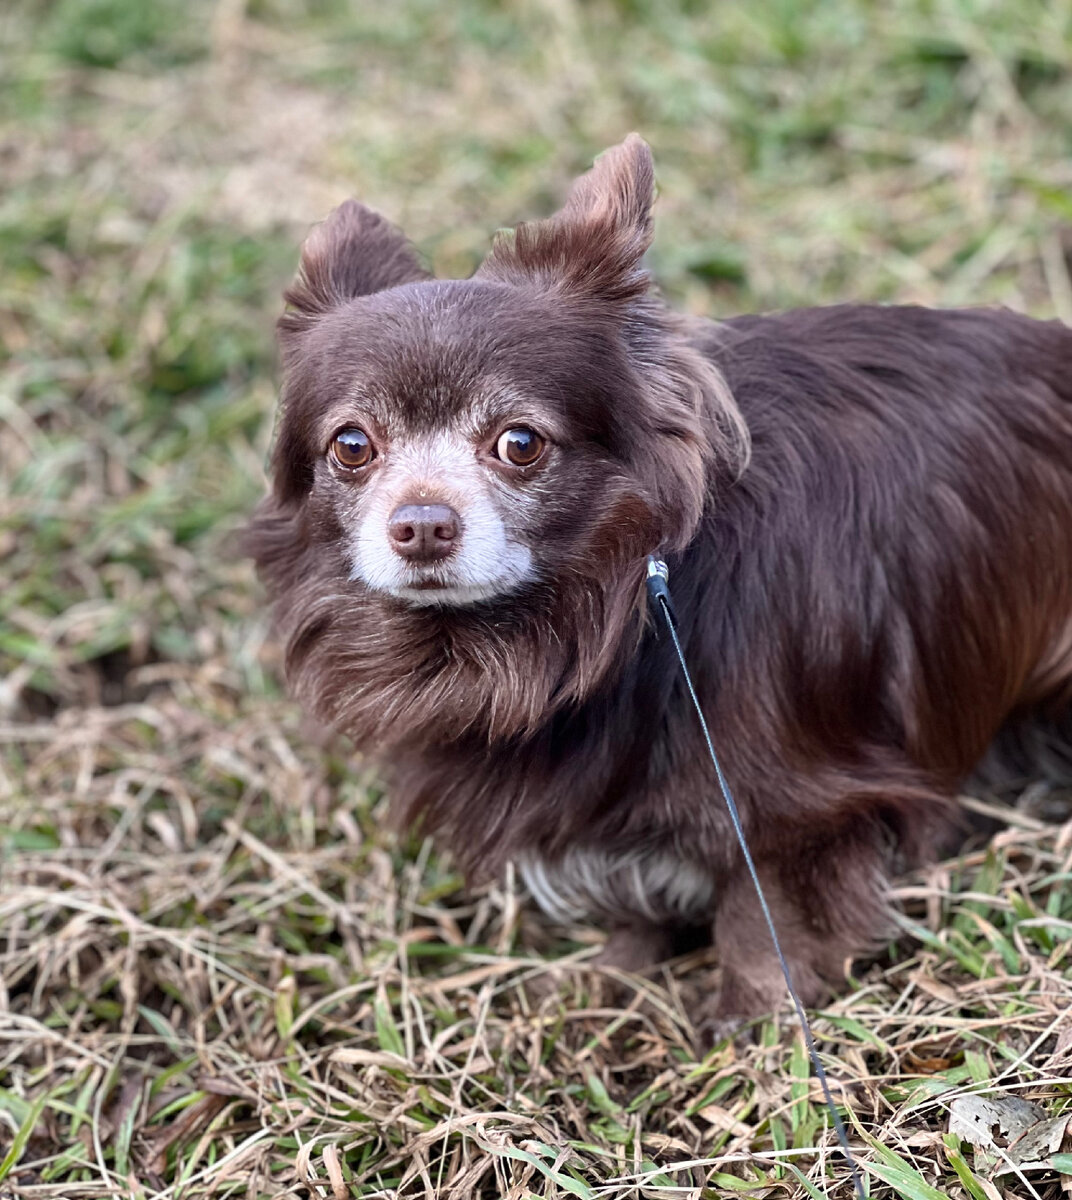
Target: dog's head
column 493, row 453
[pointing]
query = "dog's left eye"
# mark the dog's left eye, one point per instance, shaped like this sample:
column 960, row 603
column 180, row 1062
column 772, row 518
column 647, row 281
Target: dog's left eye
column 520, row 446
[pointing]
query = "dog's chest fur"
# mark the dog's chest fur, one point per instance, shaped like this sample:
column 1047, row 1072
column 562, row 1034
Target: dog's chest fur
column 590, row 884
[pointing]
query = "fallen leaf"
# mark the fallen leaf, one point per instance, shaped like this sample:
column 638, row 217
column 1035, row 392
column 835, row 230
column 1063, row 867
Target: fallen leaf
column 1009, row 1134
column 1034, row 1148
column 992, row 1122
column 928, row 1066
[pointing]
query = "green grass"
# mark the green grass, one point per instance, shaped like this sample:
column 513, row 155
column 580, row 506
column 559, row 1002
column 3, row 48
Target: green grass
column 218, row 975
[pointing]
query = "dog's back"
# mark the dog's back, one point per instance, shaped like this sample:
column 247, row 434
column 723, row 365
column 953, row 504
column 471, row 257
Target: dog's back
column 941, row 443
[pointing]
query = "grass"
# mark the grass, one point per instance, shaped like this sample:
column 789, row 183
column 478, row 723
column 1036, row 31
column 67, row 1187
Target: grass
column 218, row 976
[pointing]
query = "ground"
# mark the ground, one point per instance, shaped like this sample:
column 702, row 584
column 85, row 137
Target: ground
column 219, row 974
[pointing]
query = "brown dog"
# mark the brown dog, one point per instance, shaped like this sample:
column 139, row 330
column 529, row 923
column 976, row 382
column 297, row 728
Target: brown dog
column 868, row 518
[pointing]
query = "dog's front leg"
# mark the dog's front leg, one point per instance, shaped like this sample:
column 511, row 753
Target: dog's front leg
column 827, row 896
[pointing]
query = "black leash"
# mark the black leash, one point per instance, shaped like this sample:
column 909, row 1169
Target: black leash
column 659, row 591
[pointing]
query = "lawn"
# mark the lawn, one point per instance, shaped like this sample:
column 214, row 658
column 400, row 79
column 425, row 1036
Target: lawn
column 219, row 974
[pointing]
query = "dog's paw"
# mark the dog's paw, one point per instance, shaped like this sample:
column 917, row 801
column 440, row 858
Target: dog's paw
column 638, row 950
column 730, row 1008
column 712, row 1030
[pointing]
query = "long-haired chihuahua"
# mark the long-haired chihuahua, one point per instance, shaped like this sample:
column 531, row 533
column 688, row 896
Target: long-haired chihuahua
column 867, row 512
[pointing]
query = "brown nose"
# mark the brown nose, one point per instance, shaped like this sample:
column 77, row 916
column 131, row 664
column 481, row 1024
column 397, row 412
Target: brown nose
column 423, row 532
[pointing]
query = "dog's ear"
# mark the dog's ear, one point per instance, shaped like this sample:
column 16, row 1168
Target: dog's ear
column 594, row 245
column 354, row 252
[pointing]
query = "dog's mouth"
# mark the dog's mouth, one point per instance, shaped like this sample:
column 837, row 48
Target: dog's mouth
column 426, row 585
column 444, row 585
column 428, row 577
column 471, row 574
column 436, row 593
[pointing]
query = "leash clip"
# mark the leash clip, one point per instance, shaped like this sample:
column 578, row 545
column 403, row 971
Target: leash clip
column 657, row 580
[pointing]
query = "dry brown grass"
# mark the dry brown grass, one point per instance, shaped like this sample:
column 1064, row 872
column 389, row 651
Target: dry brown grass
column 223, row 981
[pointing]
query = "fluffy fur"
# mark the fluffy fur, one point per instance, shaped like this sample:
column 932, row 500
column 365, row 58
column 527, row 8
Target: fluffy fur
column 867, row 514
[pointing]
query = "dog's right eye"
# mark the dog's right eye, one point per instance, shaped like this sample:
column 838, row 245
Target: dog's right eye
column 351, row 448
